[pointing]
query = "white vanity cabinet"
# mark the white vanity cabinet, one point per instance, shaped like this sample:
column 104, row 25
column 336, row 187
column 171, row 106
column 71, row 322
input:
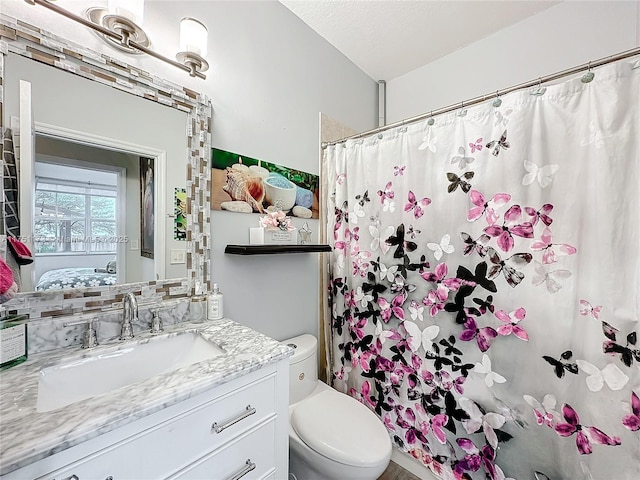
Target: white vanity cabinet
column 235, row 430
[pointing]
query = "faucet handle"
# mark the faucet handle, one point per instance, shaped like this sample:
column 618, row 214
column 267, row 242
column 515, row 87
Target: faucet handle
column 89, row 337
column 156, row 322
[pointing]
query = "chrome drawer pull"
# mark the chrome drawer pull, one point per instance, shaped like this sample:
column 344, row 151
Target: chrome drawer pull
column 219, row 428
column 248, row 467
column 72, row 477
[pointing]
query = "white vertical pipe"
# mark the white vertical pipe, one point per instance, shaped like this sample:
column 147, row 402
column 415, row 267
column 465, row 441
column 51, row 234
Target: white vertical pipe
column 382, row 103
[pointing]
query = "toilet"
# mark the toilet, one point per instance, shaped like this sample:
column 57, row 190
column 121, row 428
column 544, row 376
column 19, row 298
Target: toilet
column 331, row 435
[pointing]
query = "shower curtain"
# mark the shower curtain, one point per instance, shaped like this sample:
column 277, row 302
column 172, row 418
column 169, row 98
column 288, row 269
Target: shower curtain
column 485, row 282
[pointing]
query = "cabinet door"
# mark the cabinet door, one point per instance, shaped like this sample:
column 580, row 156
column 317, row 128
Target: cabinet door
column 249, row 457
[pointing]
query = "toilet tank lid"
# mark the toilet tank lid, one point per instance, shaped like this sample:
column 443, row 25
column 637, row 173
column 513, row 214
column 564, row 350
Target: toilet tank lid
column 342, row 429
column 305, row 346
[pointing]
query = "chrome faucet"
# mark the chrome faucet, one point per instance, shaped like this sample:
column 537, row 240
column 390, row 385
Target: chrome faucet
column 129, row 315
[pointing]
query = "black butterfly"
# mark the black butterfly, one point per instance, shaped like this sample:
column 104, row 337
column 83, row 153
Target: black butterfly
column 398, row 351
column 374, row 373
column 337, row 324
column 400, row 242
column 362, row 199
column 498, row 144
column 371, row 312
column 459, row 181
column 449, row 346
column 342, row 213
column 458, row 307
column 453, row 412
column 420, row 266
column 463, row 367
column 381, row 400
column 559, row 366
column 338, row 287
column 350, row 347
column 485, row 304
column 479, row 277
column 511, row 275
column 438, row 361
column 472, row 245
column 374, row 287
column 626, row 353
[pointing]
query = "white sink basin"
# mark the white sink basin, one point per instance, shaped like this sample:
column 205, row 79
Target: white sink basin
column 109, row 369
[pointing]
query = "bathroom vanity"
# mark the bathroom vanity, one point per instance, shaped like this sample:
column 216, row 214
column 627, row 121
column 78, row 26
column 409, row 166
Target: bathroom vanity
column 224, row 417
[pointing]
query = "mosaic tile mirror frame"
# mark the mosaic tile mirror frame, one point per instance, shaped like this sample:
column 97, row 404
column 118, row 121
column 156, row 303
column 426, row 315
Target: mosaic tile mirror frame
column 18, row 37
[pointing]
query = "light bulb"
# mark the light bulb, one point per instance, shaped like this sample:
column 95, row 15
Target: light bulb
column 130, row 9
column 193, row 37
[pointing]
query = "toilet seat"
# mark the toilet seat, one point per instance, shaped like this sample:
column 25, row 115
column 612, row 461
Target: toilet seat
column 340, row 428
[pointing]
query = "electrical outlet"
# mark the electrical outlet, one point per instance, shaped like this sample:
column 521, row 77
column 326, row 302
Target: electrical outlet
column 178, row 256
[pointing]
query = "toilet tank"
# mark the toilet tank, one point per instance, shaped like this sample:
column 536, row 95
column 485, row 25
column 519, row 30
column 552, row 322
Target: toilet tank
column 303, row 371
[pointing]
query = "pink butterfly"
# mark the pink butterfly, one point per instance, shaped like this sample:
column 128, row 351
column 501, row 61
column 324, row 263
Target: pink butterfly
column 341, row 178
column 395, row 308
column 585, row 435
column 387, row 193
column 437, row 422
column 447, row 382
column 484, row 207
column 632, row 421
column 399, row 170
column 475, row 458
column 509, row 228
column 511, row 321
column 542, row 214
column 545, row 245
column 484, row 336
column 435, row 300
column 477, row 145
column 439, row 277
column 587, row 309
column 416, row 205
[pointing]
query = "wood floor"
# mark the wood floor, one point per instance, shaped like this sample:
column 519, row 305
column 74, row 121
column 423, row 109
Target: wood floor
column 396, row 472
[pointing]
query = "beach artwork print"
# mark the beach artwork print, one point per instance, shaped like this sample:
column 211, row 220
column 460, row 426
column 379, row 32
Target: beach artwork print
column 248, row 185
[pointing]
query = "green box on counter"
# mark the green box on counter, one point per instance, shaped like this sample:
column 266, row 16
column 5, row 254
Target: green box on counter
column 13, row 340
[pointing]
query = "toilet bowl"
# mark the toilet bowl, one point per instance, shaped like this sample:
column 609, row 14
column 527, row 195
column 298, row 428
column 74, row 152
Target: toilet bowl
column 331, row 435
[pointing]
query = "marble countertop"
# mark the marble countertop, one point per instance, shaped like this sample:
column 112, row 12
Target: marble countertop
column 27, row 435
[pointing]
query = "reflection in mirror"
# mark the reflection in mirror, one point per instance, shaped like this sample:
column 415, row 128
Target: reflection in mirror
column 87, row 207
column 86, row 191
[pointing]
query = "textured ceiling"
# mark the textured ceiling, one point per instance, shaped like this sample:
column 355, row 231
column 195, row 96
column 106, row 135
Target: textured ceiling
column 388, row 38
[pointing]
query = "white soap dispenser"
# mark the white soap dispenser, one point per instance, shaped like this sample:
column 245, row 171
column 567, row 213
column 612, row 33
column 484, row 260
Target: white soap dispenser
column 214, row 304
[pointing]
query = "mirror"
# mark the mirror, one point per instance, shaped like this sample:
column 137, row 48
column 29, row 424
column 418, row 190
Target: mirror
column 99, row 126
column 88, row 128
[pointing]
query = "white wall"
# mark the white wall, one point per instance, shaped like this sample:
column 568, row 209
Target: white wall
column 270, row 76
column 563, row 36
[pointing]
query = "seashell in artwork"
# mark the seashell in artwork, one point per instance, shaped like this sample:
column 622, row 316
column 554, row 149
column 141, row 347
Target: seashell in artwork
column 243, row 187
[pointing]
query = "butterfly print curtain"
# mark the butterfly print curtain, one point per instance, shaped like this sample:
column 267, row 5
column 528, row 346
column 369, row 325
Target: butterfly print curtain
column 485, row 282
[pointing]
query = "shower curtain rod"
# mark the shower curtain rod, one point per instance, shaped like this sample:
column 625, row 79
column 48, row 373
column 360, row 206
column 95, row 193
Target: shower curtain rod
column 496, row 94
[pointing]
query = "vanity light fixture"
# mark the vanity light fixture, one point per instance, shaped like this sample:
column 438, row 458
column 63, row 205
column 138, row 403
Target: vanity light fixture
column 119, row 25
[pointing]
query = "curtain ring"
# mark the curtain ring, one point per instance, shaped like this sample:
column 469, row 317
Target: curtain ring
column 498, row 101
column 589, row 76
column 431, row 121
